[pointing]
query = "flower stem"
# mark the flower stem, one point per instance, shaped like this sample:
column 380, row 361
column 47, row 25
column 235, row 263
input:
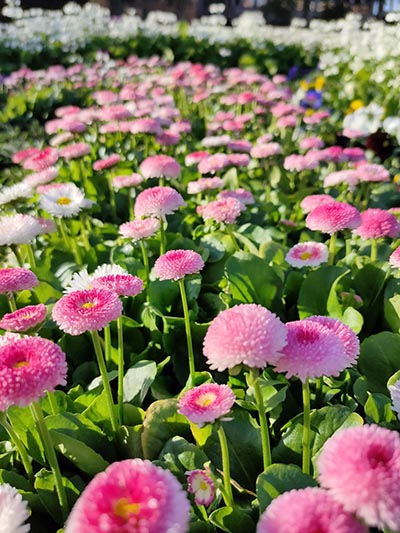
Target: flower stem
column 104, row 377
column 233, row 238
column 120, row 370
column 192, row 370
column 17, row 254
column 53, row 402
column 107, row 344
column 11, row 302
column 162, row 238
column 145, row 258
column 306, row 427
column 228, row 496
column 18, row 444
column 51, row 457
column 31, row 256
column 332, row 248
column 130, row 203
column 69, row 243
column 83, row 232
column 374, row 250
column 265, row 442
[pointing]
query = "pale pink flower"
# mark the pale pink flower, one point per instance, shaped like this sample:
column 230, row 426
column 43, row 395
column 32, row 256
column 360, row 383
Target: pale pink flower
column 86, row 310
column 213, row 163
column 244, row 196
column 108, row 162
column 195, row 157
column 104, row 97
column 140, row 228
column 67, row 110
column 299, row 162
column 18, row 229
column 168, row 138
column 74, row 151
column 41, row 178
column 17, row 279
column 146, row 125
column 24, row 319
column 373, row 172
column 376, row 223
column 394, row 259
column 316, row 117
column 122, row 284
column 247, row 334
column 158, row 166
column 308, row 253
column 263, row 150
column 309, row 143
column 238, row 160
column 204, row 184
column 176, row 264
column 349, row 176
column 215, row 141
column 360, row 467
column 354, row 154
column 158, row 202
column 225, row 210
column 240, row 145
column 22, row 155
column 61, row 138
column 288, row 121
column 28, row 368
column 333, row 217
column 131, row 496
column 43, row 159
column 307, row 510
column 312, row 201
column 206, row 403
column 126, row 181
column 202, row 486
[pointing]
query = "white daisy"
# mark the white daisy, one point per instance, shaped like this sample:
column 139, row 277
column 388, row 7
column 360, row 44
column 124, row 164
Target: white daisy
column 13, row 510
column 108, row 270
column 79, row 281
column 18, row 229
column 63, row 200
column 19, row 190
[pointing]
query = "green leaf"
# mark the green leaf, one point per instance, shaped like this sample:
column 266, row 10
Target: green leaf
column 138, row 380
column 180, row 456
column 378, row 408
column 352, row 318
column 79, row 453
column 232, row 520
column 279, row 478
column 25, row 427
column 379, row 359
column 392, row 304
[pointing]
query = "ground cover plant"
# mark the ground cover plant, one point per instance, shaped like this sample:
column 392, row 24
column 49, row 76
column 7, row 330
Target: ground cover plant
column 199, row 302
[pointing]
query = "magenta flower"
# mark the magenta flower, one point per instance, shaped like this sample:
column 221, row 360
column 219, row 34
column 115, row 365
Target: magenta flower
column 140, row 228
column 158, row 202
column 108, row 162
column 176, row 264
column 17, row 279
column 28, row 368
column 312, row 201
column 86, row 310
column 24, row 319
column 333, row 217
column 307, row 510
column 206, row 403
column 360, row 467
column 376, row 223
column 202, row 486
column 247, row 334
column 312, row 351
column 307, row 254
column 394, row 259
column 22, row 155
column 160, row 166
column 131, row 496
column 225, row 210
column 122, row 284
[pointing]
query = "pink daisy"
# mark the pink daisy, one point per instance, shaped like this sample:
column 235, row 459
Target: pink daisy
column 28, row 368
column 296, row 162
column 333, row 217
column 244, row 196
column 158, row 202
column 202, row 486
column 140, row 228
column 206, row 403
column 43, row 159
column 86, row 310
column 41, row 178
column 373, row 172
column 176, row 264
column 354, row 154
column 311, row 142
column 246, row 334
column 131, row 496
column 263, row 150
column 122, row 284
column 195, row 157
column 238, row 160
column 348, row 176
column 360, row 467
column 312, row 350
column 131, row 180
column 307, row 254
column 158, row 166
column 309, row 510
column 312, row 201
column 146, row 125
column 24, row 319
column 108, row 162
column 394, row 259
column 17, row 279
column 204, row 184
column 74, row 151
column 22, row 155
column 213, row 163
column 376, row 223
column 225, row 210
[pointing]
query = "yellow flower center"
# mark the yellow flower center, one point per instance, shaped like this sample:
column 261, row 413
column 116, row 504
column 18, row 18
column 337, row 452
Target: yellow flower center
column 28, row 315
column 88, row 305
column 206, row 399
column 203, row 485
column 305, row 255
column 124, row 509
column 21, row 364
column 63, row 200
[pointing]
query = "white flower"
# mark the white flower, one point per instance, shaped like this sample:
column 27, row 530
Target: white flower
column 108, row 270
column 19, row 190
column 395, row 395
column 13, row 511
column 18, row 229
column 62, row 200
column 79, row 281
column 392, row 126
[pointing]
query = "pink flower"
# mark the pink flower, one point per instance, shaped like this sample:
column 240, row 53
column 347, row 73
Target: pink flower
column 394, row 259
column 202, row 486
column 43, row 159
column 140, row 229
column 360, row 467
column 24, row 319
column 40, row 178
column 204, row 184
column 348, row 176
column 307, row 254
column 296, row 162
column 213, row 163
column 158, row 166
column 240, row 145
column 86, row 310
column 307, row 510
column 158, row 202
column 22, row 155
column 262, row 150
column 372, row 172
column 312, row 350
column 244, row 196
column 354, row 154
column 131, row 496
column 176, row 264
column 28, row 368
column 17, row 279
column 74, row 151
column 122, row 284
column 131, row 180
column 206, row 403
column 288, row 121
column 312, row 201
column 108, row 162
column 195, row 157
column 225, row 210
column 333, row 217
column 376, row 223
column 311, row 142
column 146, row 125
column 238, row 160
column 247, row 334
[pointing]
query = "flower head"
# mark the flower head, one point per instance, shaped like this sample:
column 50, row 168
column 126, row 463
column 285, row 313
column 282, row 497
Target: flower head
column 310, row 510
column 244, row 196
column 108, row 162
column 158, row 166
column 349, row 176
column 176, row 264
column 202, row 486
column 131, row 180
column 225, row 210
column 29, row 367
column 140, row 228
column 24, row 319
column 22, row 155
column 86, row 310
column 333, row 217
column 158, row 202
column 122, row 284
column 394, row 259
column 75, row 151
column 17, row 279
column 312, row 201
column 62, row 200
column 40, row 160
column 14, row 192
column 131, row 496
column 376, row 223
column 247, row 334
column 18, row 229
column 204, row 184
column 360, row 467
column 206, row 403
column 13, row 510
column 307, row 254
column 345, row 334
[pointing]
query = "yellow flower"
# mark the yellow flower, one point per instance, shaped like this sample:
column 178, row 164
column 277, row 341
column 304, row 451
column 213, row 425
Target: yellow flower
column 304, row 85
column 319, row 83
column 356, row 104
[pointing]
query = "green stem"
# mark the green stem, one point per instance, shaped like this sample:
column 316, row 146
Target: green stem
column 120, row 370
column 145, row 258
column 83, row 232
column 162, row 237
column 17, row 254
column 107, row 343
column 348, row 246
column 104, row 377
column 306, row 427
column 112, row 200
column 53, row 402
column 130, row 204
column 192, row 370
column 31, row 256
column 18, row 444
column 374, row 250
column 233, row 238
column 11, row 302
column 265, row 442
column 69, row 242
column 228, row 496
column 51, row 457
column 332, row 248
